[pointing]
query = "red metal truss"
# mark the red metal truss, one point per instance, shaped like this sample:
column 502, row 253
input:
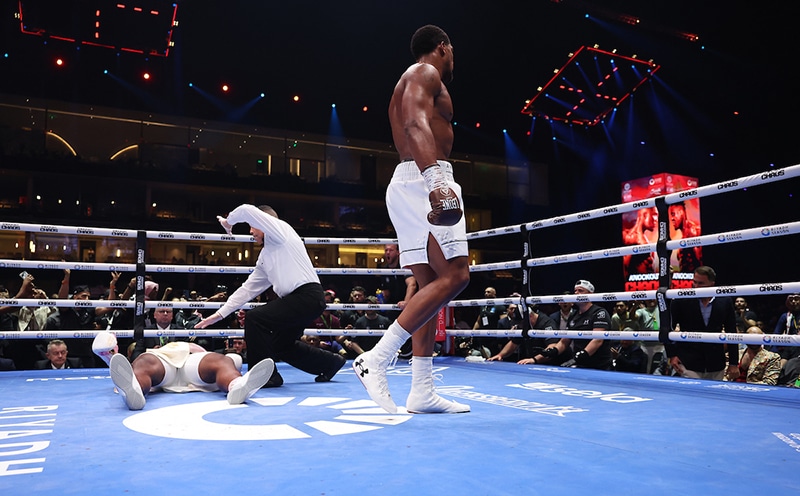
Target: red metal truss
column 589, row 86
column 144, row 26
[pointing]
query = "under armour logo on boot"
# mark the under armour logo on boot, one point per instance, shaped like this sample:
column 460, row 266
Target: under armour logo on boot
column 360, row 365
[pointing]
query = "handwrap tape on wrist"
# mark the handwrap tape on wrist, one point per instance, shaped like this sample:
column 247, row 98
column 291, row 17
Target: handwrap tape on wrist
column 434, row 177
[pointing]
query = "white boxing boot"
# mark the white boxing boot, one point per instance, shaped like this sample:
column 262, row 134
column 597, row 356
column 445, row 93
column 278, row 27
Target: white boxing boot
column 423, row 397
column 242, row 388
column 126, row 382
column 370, row 366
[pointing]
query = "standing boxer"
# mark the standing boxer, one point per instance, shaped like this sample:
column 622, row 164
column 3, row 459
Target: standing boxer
column 425, row 207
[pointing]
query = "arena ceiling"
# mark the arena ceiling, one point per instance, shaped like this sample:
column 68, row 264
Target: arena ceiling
column 726, row 62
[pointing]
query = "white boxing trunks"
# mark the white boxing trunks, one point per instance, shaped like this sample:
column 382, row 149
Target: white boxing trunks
column 408, row 205
column 181, row 368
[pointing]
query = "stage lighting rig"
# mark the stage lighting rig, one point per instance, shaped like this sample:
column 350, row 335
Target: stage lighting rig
column 589, row 86
column 138, row 26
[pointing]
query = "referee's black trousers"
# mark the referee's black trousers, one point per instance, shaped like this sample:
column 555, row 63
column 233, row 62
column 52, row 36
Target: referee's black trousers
column 273, row 331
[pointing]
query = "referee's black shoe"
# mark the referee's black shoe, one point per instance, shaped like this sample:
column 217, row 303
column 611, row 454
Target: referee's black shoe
column 275, row 380
column 326, row 376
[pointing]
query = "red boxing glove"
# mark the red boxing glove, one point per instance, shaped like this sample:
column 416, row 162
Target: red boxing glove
column 445, row 205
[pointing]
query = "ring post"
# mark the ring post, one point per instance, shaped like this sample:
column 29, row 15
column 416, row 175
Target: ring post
column 138, row 316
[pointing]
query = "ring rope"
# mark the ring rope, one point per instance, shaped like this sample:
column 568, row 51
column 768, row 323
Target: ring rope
column 744, row 289
column 173, row 235
column 764, row 232
column 704, row 240
column 765, row 177
column 710, row 239
column 150, row 304
column 122, row 333
column 703, row 191
column 8, row 263
column 677, row 336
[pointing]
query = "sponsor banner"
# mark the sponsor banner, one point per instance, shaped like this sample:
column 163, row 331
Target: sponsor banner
column 198, row 269
column 370, row 271
column 641, row 226
column 34, row 264
column 362, row 306
column 743, row 290
column 349, row 241
column 722, row 337
column 184, row 236
column 470, row 394
column 616, row 397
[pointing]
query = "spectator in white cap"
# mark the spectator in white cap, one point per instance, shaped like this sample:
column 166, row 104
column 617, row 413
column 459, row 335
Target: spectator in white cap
column 583, row 283
column 589, row 353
